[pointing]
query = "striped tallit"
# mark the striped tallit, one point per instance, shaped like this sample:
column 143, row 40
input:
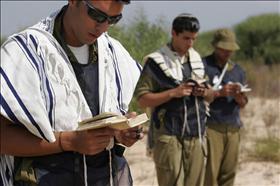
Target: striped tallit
column 39, row 89
column 168, row 60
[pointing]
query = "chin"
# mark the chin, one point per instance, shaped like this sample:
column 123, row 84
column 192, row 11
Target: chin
column 90, row 41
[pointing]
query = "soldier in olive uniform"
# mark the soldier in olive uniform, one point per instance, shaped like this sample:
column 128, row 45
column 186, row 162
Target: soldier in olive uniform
column 223, row 131
column 173, row 84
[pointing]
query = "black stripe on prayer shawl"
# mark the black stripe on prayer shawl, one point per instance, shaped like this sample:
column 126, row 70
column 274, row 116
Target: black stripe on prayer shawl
column 49, row 97
column 138, row 66
column 30, row 52
column 158, row 75
column 20, row 102
column 55, row 44
column 32, row 56
column 8, row 110
column 28, row 114
column 118, row 77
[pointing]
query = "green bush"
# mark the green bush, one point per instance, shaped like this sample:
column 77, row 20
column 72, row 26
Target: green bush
column 259, row 38
column 203, row 43
column 267, row 149
column 2, row 40
column 141, row 37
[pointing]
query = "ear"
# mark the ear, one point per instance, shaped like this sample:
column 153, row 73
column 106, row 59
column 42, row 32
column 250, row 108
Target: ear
column 72, row 2
column 173, row 33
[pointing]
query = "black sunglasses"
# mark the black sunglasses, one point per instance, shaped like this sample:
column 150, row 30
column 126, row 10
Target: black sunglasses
column 101, row 17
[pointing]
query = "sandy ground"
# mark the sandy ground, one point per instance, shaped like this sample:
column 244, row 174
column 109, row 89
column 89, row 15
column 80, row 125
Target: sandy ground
column 250, row 172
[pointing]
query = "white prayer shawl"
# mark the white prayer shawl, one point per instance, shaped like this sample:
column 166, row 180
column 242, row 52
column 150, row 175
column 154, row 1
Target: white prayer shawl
column 171, row 64
column 39, row 89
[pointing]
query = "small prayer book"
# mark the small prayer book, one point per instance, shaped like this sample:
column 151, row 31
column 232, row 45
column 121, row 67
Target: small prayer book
column 113, row 120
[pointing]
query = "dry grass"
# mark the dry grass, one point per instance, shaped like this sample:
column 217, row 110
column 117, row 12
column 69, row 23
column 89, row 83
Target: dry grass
column 256, row 167
column 267, row 149
column 263, row 79
column 261, row 134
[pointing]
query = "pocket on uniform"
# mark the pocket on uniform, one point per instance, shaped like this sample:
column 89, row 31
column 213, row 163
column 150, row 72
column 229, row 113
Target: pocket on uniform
column 163, row 152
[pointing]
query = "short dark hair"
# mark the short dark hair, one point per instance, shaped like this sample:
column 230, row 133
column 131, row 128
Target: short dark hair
column 185, row 22
column 124, row 1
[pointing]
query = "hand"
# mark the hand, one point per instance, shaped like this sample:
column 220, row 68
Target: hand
column 88, row 142
column 129, row 136
column 184, row 89
column 241, row 99
column 199, row 90
column 230, row 89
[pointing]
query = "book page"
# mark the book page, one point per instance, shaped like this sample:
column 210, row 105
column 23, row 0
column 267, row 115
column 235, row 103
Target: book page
column 131, row 122
column 243, row 88
column 115, row 121
column 103, row 115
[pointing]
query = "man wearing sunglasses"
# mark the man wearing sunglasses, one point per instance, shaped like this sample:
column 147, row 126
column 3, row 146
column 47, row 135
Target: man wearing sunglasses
column 54, row 74
column 173, row 84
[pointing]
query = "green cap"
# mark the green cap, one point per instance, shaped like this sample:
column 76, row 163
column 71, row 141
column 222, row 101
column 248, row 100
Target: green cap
column 225, row 39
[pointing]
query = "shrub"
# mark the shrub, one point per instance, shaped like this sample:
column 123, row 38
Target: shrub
column 267, row 149
column 141, row 37
column 259, row 38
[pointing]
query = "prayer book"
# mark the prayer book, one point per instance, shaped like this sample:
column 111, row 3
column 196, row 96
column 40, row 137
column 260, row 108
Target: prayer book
column 243, row 88
column 113, row 120
column 196, row 82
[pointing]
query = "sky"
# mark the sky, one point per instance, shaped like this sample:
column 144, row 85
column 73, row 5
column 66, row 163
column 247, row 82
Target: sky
column 16, row 15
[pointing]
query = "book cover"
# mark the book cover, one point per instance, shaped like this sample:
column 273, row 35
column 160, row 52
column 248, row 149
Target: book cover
column 113, row 120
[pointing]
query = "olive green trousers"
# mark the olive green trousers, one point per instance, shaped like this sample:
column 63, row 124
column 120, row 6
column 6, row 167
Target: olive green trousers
column 223, row 147
column 179, row 162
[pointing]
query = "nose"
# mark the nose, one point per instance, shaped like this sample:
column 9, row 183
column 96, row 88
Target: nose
column 102, row 27
column 190, row 43
column 228, row 53
column 105, row 23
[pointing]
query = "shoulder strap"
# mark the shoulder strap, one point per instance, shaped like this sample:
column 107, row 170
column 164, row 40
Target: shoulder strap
column 217, row 84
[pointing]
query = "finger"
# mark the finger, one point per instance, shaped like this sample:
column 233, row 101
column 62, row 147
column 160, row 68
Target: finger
column 139, row 136
column 139, row 130
column 134, row 129
column 134, row 135
column 131, row 115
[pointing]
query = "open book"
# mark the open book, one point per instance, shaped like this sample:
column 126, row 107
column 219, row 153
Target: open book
column 243, row 88
column 113, row 120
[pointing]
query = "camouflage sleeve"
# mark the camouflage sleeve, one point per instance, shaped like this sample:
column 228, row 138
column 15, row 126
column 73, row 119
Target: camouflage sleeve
column 145, row 83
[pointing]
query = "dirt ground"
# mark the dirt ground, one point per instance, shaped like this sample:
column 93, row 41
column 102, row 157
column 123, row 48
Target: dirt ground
column 250, row 172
